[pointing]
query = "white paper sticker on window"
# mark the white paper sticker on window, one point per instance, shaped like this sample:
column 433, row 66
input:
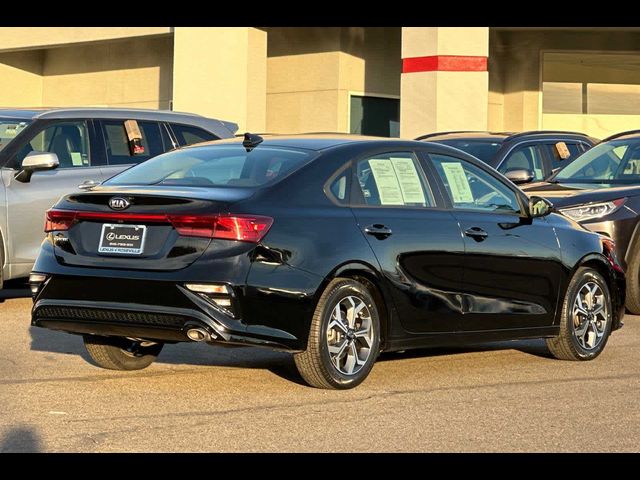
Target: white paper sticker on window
column 76, row 159
column 458, row 183
column 387, row 182
column 409, row 180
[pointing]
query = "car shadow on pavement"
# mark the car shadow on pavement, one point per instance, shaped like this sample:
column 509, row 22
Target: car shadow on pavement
column 279, row 363
column 44, row 340
column 536, row 348
column 21, row 439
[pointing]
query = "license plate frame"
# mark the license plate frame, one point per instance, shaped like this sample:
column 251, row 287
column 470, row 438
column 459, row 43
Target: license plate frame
column 119, row 239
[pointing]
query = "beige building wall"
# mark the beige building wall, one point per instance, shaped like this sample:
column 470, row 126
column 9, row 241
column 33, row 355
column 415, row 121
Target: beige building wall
column 443, row 100
column 515, row 77
column 221, row 72
column 21, row 79
column 131, row 73
column 15, row 38
column 312, row 72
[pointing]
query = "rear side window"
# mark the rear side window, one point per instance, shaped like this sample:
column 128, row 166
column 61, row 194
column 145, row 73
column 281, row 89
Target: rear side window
column 392, row 179
column 121, row 151
column 216, row 166
column 188, row 135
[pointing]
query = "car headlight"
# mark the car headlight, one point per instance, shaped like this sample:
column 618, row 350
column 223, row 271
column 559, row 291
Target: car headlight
column 592, row 210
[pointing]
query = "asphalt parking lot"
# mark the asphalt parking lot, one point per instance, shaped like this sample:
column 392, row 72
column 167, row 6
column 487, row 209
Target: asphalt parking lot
column 504, row 397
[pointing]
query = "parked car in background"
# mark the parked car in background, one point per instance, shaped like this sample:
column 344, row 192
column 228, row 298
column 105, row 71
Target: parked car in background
column 601, row 190
column 45, row 154
column 522, row 157
column 331, row 247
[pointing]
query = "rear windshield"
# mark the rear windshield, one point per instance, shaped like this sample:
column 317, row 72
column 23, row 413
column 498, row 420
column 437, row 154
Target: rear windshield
column 9, row 128
column 484, row 150
column 216, row 166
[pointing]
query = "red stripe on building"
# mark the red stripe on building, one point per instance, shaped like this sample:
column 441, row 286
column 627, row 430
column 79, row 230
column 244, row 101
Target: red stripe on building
column 444, row 63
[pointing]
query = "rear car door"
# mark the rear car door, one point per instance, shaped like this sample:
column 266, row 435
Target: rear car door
column 72, row 142
column 512, row 262
column 121, row 152
column 418, row 245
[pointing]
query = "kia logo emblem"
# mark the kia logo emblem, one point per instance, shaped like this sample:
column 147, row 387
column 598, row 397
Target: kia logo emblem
column 119, row 203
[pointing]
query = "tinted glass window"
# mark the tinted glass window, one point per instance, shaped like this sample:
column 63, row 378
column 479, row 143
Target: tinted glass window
column 471, row 188
column 616, row 161
column 216, row 166
column 9, row 128
column 527, row 157
column 68, row 140
column 393, row 179
column 485, row 151
column 187, row 135
column 119, row 149
column 375, row 116
column 339, row 187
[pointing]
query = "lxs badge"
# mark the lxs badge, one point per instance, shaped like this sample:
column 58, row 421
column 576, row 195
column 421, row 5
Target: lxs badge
column 119, row 203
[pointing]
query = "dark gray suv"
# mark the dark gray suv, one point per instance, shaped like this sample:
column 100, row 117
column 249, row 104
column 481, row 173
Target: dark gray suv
column 45, row 154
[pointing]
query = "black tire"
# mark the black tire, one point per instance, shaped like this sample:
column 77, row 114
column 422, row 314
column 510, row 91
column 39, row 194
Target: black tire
column 633, row 284
column 566, row 346
column 315, row 364
column 118, row 353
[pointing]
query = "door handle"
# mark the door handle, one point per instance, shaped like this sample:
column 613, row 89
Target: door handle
column 88, row 184
column 476, row 233
column 378, row 230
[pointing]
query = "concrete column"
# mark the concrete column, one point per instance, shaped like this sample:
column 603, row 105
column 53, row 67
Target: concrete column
column 221, row 72
column 444, row 84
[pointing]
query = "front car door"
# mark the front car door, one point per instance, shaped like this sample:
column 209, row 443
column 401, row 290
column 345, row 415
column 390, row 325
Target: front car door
column 513, row 266
column 418, row 245
column 71, row 141
column 528, row 156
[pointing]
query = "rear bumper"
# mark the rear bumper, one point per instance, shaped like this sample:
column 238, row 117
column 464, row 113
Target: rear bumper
column 161, row 311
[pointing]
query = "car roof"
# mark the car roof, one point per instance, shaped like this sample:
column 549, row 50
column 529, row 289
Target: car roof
column 471, row 135
column 316, row 141
column 500, row 136
column 221, row 128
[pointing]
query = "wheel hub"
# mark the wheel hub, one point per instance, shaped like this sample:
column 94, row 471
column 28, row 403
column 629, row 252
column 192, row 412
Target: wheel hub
column 350, row 335
column 590, row 315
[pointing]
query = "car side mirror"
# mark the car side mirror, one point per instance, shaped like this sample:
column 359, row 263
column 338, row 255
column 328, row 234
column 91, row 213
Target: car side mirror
column 36, row 161
column 539, row 207
column 520, row 175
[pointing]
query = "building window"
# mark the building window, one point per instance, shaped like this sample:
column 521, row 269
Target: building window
column 375, row 116
column 591, row 83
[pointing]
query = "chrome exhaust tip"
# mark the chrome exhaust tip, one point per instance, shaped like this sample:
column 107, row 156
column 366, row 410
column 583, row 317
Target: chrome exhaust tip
column 198, row 335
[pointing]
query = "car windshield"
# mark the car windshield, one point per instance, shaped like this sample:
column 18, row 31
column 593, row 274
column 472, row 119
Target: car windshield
column 482, row 149
column 9, row 128
column 616, row 161
column 216, row 166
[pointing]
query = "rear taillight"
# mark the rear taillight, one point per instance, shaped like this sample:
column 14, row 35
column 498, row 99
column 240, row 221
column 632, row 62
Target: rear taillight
column 245, row 228
column 57, row 220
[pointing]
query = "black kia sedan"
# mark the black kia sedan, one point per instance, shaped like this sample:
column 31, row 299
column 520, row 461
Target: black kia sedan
column 601, row 190
column 334, row 248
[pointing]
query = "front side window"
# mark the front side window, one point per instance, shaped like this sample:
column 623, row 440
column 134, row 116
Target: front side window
column 68, row 140
column 9, row 128
column 528, row 157
column 471, row 188
column 216, row 166
column 122, row 151
column 616, row 161
column 393, row 179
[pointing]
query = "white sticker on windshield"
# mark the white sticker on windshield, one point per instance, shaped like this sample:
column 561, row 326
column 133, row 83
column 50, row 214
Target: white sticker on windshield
column 458, row 183
column 409, row 180
column 387, row 182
